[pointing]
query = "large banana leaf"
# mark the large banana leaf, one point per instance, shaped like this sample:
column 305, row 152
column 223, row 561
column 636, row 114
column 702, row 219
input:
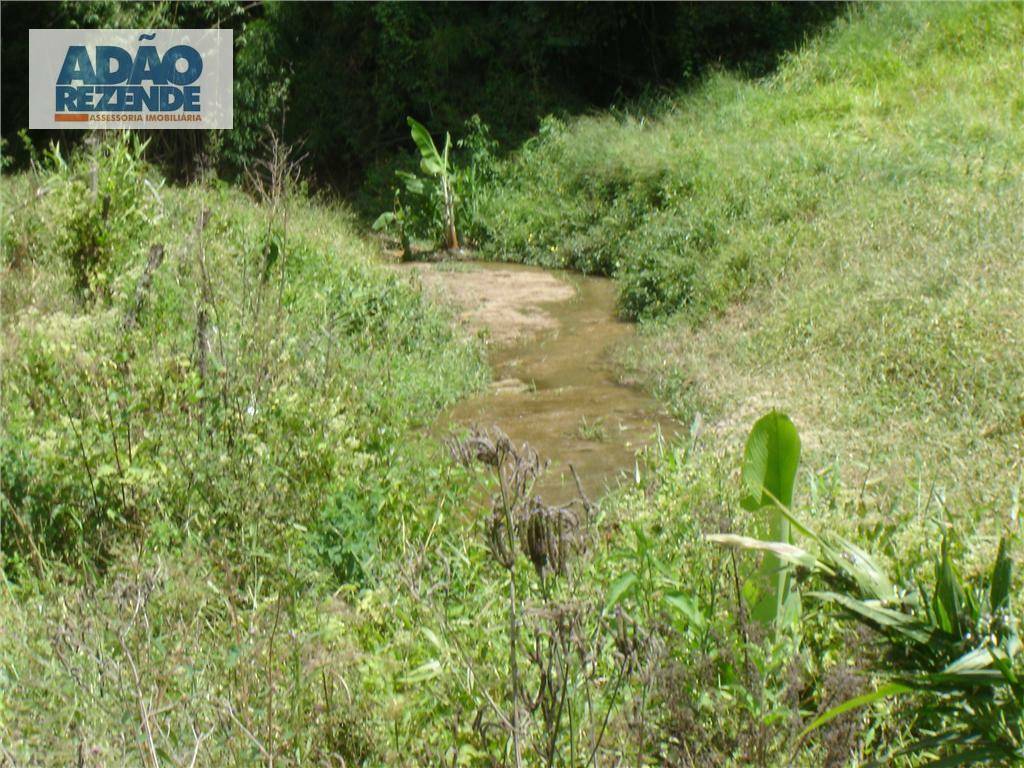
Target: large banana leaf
column 430, row 159
column 770, row 461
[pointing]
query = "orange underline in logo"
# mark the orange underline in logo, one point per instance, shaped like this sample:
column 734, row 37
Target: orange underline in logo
column 71, row 118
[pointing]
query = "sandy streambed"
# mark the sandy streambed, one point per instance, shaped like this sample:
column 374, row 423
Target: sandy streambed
column 551, row 339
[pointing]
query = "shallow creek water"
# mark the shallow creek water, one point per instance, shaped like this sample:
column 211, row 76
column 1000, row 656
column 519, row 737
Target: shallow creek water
column 552, row 337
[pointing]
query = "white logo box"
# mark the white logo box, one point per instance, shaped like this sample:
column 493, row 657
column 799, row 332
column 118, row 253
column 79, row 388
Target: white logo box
column 117, row 101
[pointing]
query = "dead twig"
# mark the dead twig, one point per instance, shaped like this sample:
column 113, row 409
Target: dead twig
column 234, row 718
column 143, row 709
column 156, row 258
column 200, row 738
column 204, row 307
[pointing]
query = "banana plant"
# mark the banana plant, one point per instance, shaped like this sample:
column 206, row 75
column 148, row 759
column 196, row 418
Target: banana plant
column 770, row 461
column 436, row 164
column 396, row 218
column 957, row 643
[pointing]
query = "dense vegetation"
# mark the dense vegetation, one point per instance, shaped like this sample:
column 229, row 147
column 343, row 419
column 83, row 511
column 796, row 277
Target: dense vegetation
column 209, row 405
column 228, row 538
column 342, row 77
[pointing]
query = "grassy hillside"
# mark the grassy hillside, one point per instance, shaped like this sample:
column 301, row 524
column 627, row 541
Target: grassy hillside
column 723, row 188
column 196, row 453
column 841, row 239
column 224, row 539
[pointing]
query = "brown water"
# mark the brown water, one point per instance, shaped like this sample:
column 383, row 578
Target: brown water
column 552, row 341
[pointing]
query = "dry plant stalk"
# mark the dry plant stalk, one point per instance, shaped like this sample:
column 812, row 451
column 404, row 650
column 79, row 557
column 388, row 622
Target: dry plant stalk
column 271, row 176
column 156, row 258
column 205, row 302
column 563, row 654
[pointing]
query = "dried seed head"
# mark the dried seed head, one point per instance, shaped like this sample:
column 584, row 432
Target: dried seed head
column 498, row 539
column 548, row 536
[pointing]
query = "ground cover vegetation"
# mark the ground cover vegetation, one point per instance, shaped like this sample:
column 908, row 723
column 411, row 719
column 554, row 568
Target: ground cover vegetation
column 228, row 540
column 208, row 403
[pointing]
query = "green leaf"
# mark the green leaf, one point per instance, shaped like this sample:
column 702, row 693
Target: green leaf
column 423, row 672
column 863, row 569
column 1002, row 578
column 948, row 601
column 413, row 183
column 783, row 612
column 770, row 461
column 976, row 756
column 885, row 617
column 981, row 658
column 620, row 587
column 431, row 161
column 891, row 689
column 432, row 638
column 686, row 606
column 383, row 221
column 931, row 744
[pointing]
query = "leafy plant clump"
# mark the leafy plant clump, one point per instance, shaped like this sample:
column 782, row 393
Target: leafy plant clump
column 109, row 204
column 425, row 205
column 955, row 648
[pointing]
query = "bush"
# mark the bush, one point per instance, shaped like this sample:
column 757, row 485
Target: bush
column 142, row 416
column 106, row 208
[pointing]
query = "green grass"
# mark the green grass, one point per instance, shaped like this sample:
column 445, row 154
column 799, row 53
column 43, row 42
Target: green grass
column 593, row 430
column 260, row 555
column 840, row 239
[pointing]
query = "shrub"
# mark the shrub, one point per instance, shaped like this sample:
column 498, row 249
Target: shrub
column 106, row 208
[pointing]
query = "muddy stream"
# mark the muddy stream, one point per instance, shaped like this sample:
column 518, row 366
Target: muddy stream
column 551, row 339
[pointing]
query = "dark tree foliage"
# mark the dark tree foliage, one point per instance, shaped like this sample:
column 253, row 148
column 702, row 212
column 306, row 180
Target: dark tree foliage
column 180, row 152
column 342, row 77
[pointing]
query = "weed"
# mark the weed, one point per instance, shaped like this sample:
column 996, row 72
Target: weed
column 558, row 710
column 957, row 647
column 592, row 431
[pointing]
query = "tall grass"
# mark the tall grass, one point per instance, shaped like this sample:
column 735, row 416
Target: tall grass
column 210, row 411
